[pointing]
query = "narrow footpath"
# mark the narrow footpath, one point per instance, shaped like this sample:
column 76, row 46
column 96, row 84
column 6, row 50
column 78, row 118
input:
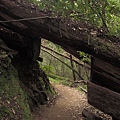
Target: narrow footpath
column 67, row 105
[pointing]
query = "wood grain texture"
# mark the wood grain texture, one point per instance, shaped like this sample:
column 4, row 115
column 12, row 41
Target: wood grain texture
column 71, row 35
column 104, row 99
column 105, row 74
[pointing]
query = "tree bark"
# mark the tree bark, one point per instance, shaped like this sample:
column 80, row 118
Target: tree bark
column 72, row 65
column 104, row 99
column 105, row 74
column 71, row 35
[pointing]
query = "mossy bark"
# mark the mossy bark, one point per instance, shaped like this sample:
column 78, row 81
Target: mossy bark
column 13, row 101
column 23, row 87
column 33, row 81
column 72, row 35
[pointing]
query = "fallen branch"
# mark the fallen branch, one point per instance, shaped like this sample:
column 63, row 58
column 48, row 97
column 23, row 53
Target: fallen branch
column 80, row 81
column 76, row 61
column 84, row 90
column 63, row 63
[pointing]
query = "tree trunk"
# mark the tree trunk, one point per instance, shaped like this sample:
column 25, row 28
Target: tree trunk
column 64, row 63
column 71, row 35
column 71, row 61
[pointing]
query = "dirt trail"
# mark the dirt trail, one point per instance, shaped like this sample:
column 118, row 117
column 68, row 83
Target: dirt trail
column 68, row 105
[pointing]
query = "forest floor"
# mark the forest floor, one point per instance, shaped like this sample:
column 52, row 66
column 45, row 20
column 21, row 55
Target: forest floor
column 67, row 105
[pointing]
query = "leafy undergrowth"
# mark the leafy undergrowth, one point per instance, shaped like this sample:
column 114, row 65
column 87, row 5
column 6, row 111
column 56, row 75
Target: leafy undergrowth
column 67, row 82
column 13, row 101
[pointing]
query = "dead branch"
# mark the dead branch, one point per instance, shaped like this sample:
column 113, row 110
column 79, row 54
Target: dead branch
column 63, row 63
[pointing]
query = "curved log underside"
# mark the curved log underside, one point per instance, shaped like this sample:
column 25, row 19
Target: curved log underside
column 73, row 36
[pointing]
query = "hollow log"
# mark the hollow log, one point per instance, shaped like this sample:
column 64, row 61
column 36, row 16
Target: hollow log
column 73, row 35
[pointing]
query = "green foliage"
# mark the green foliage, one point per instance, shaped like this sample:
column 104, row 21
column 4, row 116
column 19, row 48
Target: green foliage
column 48, row 69
column 60, row 80
column 56, row 69
column 52, row 66
column 54, row 80
column 84, row 57
column 68, row 83
column 104, row 14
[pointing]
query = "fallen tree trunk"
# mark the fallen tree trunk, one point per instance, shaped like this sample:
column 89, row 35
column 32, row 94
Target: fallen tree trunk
column 105, row 75
column 104, row 99
column 71, row 35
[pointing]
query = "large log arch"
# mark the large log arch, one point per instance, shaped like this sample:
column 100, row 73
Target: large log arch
column 22, row 25
column 71, row 35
